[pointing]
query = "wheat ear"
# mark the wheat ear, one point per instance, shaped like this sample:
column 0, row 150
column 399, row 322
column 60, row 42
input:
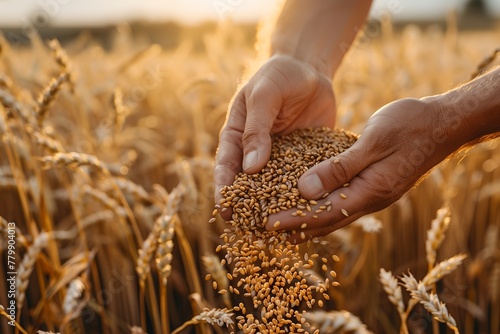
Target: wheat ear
column 335, row 322
column 431, row 302
column 73, row 159
column 219, row 317
column 145, row 256
column 47, row 142
column 442, row 269
column 129, row 187
column 105, row 200
column 166, row 235
column 137, row 330
column 393, row 290
column 27, row 265
column 436, row 234
column 48, row 95
column 73, row 294
column 61, row 58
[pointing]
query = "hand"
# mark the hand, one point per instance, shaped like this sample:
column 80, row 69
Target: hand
column 400, row 143
column 284, row 95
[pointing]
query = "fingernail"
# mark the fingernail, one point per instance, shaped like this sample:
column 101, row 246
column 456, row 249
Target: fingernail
column 250, row 160
column 312, row 186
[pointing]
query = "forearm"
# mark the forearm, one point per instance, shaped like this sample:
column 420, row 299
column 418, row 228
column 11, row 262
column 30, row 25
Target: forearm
column 318, row 31
column 471, row 112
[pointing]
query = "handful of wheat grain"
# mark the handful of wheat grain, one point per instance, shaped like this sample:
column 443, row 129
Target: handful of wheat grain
column 266, row 266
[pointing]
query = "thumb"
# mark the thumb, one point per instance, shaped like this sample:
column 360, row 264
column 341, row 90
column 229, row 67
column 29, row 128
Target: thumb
column 263, row 105
column 334, row 172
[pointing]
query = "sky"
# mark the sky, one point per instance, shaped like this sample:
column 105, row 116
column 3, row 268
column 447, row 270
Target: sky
column 97, row 12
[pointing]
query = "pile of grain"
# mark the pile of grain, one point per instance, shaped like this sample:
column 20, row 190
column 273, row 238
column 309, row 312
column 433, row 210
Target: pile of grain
column 265, row 265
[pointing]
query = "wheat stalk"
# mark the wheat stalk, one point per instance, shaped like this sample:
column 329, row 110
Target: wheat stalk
column 436, row 234
column 9, row 318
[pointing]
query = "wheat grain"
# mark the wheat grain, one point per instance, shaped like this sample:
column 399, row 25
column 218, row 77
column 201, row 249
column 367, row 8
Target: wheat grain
column 261, row 257
column 217, row 272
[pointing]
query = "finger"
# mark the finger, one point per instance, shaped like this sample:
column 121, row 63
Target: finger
column 334, row 172
column 263, row 104
column 230, row 150
column 367, row 192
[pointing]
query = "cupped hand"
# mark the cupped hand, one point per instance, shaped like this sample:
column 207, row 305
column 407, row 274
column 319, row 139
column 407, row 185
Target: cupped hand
column 400, row 143
column 285, row 94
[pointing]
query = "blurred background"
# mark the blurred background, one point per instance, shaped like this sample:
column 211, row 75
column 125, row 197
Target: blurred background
column 15, row 13
column 66, row 18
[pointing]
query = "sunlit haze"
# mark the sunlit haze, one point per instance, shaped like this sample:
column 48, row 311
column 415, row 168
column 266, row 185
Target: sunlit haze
column 98, row 12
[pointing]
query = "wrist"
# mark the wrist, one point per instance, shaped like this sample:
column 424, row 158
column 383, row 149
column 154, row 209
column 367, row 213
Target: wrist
column 470, row 112
column 318, row 32
column 283, row 45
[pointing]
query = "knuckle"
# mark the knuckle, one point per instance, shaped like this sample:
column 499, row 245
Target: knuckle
column 338, row 171
column 380, row 194
column 251, row 135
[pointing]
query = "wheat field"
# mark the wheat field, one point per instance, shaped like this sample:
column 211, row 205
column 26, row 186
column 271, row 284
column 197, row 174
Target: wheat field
column 106, row 166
